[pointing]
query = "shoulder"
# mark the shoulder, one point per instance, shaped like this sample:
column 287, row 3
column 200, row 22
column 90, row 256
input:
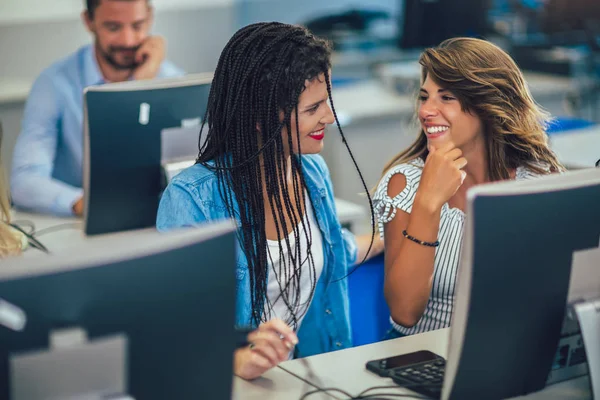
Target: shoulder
column 169, row 70
column 317, row 178
column 533, row 171
column 399, row 177
column 66, row 67
column 397, row 190
column 191, row 197
column 315, row 163
column 60, row 73
column 195, row 178
column 316, row 172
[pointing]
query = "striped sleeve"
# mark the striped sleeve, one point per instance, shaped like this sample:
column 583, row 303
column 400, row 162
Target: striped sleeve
column 385, row 206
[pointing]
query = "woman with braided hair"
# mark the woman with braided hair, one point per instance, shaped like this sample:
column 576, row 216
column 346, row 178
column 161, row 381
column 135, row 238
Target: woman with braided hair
column 269, row 105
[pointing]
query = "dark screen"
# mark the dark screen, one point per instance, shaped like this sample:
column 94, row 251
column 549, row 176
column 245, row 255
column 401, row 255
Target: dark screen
column 408, row 359
column 180, row 341
column 426, row 23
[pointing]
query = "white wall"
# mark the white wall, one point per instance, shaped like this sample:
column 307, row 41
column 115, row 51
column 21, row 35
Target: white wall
column 29, row 11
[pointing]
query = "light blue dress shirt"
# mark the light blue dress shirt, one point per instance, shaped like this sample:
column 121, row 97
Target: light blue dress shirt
column 47, row 167
column 192, row 198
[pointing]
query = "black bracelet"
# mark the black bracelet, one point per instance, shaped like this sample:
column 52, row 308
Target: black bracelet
column 422, row 243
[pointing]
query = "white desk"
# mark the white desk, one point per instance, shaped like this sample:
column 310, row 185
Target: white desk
column 578, row 148
column 276, row 384
column 66, row 233
column 14, row 90
column 55, row 233
column 345, row 369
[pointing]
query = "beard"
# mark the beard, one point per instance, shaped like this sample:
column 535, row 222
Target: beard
column 110, row 56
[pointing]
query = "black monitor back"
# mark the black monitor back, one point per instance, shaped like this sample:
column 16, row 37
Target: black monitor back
column 123, row 177
column 519, row 244
column 173, row 295
column 426, row 23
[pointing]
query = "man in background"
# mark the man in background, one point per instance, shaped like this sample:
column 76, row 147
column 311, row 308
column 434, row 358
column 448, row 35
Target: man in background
column 47, row 167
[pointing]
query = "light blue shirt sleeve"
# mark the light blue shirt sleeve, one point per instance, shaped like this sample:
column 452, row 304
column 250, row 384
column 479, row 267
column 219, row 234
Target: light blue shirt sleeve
column 32, row 185
column 169, row 70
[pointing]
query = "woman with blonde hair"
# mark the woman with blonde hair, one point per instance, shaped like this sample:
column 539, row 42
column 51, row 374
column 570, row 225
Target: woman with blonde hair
column 478, row 124
column 12, row 242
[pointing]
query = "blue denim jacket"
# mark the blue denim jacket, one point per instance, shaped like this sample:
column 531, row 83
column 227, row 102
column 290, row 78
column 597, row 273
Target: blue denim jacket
column 192, row 197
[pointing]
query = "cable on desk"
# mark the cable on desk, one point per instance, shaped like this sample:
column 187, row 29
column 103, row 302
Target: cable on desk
column 364, row 396
column 325, row 390
column 33, row 242
column 59, row 227
column 388, row 395
column 380, row 396
column 27, row 228
column 25, row 223
column 407, row 386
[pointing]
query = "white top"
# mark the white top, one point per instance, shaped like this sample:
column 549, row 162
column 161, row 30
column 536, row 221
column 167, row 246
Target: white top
column 447, row 255
column 282, row 274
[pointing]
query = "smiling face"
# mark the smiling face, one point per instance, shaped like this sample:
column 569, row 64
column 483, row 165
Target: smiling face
column 314, row 114
column 443, row 120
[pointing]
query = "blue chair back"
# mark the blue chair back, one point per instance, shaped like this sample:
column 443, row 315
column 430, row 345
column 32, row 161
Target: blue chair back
column 565, row 124
column 369, row 311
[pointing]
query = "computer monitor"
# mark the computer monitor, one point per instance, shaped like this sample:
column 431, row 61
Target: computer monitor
column 564, row 16
column 426, row 23
column 131, row 130
column 513, row 282
column 147, row 315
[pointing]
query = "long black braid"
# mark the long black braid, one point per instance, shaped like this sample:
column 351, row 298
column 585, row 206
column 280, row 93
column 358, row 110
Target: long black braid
column 261, row 73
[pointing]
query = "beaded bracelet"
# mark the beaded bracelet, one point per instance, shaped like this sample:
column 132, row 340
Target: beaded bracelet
column 422, row 243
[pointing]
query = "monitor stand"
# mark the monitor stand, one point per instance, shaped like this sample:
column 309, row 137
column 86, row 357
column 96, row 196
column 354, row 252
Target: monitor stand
column 588, row 313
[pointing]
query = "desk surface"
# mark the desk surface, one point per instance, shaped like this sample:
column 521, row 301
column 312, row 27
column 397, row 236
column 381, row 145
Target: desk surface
column 345, row 369
column 62, row 233
column 577, row 148
column 276, row 384
column 14, row 90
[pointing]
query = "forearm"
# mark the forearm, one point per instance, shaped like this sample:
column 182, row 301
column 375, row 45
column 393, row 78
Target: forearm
column 409, row 272
column 43, row 194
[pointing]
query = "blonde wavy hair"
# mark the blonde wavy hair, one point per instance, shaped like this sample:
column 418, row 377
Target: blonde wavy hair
column 10, row 240
column 489, row 84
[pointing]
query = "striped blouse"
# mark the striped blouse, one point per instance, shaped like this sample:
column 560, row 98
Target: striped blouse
column 447, row 255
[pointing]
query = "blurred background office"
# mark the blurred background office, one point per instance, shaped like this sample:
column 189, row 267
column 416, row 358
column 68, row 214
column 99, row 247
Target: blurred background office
column 375, row 71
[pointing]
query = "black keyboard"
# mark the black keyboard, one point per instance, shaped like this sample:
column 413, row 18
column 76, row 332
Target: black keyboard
column 424, row 378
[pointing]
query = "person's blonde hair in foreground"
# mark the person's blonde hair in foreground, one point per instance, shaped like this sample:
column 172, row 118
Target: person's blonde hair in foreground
column 11, row 242
column 479, row 124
